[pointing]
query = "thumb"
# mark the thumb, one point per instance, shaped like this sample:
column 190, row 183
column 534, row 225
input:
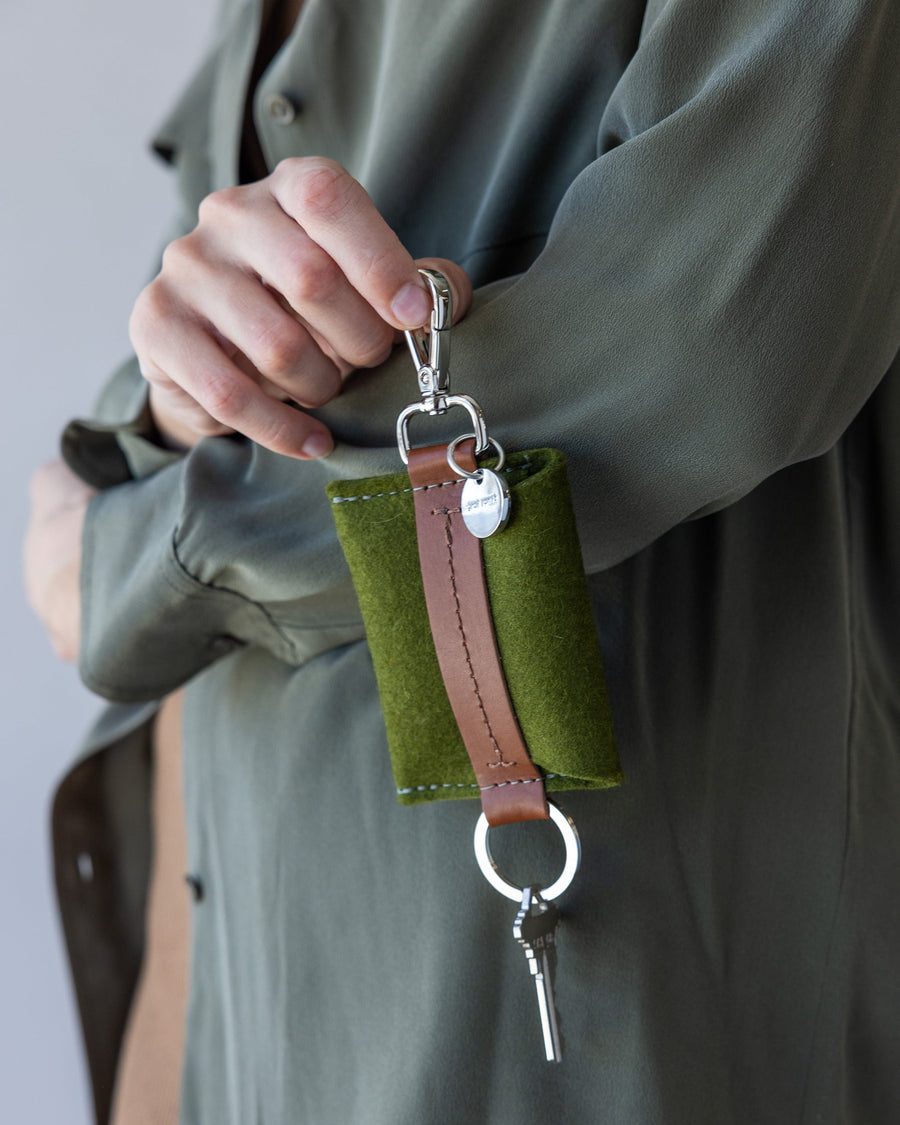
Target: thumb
column 457, row 278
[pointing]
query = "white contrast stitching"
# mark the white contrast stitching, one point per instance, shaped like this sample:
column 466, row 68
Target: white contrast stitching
column 419, row 487
column 520, row 781
column 469, row 785
column 396, row 492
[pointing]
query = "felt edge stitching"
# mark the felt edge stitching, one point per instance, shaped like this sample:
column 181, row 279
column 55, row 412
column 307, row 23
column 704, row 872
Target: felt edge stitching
column 464, row 785
column 420, row 487
column 396, row 492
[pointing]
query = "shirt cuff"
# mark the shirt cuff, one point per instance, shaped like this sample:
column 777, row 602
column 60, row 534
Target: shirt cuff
column 138, row 598
column 123, row 443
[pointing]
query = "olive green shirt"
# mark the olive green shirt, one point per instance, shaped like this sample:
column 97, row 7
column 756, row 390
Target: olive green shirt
column 682, row 224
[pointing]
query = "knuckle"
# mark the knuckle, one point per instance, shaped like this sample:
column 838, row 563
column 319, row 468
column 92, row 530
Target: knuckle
column 322, row 394
column 323, row 188
column 279, row 350
column 224, row 399
column 287, row 169
column 220, row 206
column 159, row 381
column 314, row 277
column 182, row 254
column 152, row 306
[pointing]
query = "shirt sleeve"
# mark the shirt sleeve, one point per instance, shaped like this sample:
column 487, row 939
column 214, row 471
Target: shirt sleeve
column 717, row 298
column 719, row 293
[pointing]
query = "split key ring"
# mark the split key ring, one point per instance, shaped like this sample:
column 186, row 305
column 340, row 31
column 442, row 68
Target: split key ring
column 491, row 872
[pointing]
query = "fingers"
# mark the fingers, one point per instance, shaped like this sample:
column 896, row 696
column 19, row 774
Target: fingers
column 272, row 246
column 247, row 315
column 340, row 217
column 284, row 287
column 186, row 360
column 180, row 421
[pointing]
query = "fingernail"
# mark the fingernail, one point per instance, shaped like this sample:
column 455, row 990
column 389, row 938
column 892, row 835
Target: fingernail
column 411, row 306
column 318, row 445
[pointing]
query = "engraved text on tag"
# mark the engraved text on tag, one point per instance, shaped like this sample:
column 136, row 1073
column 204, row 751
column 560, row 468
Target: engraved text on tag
column 485, row 503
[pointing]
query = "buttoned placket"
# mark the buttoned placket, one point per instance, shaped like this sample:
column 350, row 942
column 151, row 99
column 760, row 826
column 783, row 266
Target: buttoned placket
column 277, row 109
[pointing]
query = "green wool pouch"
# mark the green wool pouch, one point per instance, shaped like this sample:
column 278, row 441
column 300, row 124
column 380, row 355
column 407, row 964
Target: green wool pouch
column 542, row 620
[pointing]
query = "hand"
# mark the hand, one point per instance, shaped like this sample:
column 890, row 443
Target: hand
column 52, row 555
column 284, row 287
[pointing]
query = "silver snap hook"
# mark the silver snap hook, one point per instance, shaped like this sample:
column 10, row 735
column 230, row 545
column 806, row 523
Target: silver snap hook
column 430, row 350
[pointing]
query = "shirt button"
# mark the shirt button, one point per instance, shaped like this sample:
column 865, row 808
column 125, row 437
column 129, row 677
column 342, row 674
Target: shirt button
column 280, row 108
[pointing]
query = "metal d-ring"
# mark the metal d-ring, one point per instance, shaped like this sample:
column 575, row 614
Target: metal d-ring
column 491, row 872
column 476, row 475
column 468, row 404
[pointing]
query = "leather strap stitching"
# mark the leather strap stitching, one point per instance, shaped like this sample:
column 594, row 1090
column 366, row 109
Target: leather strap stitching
column 459, row 610
column 448, row 539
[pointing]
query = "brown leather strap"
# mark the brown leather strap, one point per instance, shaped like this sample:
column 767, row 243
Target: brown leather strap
column 460, row 614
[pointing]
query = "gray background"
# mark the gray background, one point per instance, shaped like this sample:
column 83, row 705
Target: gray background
column 83, row 208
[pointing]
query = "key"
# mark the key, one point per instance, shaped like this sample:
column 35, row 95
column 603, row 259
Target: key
column 535, row 930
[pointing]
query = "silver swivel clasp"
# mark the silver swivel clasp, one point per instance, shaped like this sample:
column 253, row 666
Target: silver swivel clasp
column 431, row 350
column 431, row 354
column 485, row 496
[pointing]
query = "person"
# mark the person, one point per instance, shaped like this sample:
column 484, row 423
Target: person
column 679, row 220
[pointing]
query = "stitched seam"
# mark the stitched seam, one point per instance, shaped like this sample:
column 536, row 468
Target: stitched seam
column 448, row 539
column 520, row 781
column 463, row 785
column 236, row 593
column 115, row 692
column 396, row 492
column 423, row 487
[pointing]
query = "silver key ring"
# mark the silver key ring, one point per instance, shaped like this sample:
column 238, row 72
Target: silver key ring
column 451, row 459
column 491, row 872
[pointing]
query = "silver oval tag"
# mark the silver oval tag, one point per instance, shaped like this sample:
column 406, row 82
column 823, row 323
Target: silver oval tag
column 485, row 503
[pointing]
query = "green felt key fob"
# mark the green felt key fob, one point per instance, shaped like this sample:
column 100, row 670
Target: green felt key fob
column 542, row 620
